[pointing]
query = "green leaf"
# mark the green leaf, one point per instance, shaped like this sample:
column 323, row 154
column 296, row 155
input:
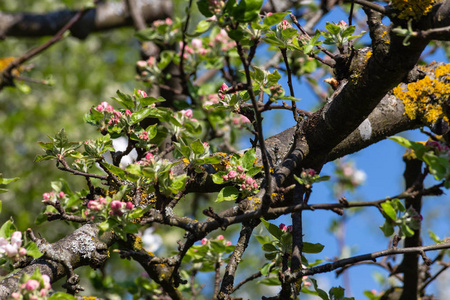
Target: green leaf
column 7, row 229
column 266, row 268
column 202, row 27
column 203, row 7
column 142, row 114
column 262, row 239
column 275, row 18
column 387, row 228
column 115, row 170
column 289, row 32
column 270, row 281
column 273, row 78
column 332, row 28
column 217, row 177
column 61, row 139
column 33, row 250
column 253, row 171
column 249, row 159
column 228, row 193
column 247, row 10
column 434, row 237
column 312, row 248
column 197, row 147
column 269, row 247
column 273, row 229
column 124, row 100
column 179, row 183
column 290, row 98
column 321, row 293
column 389, row 210
column 273, row 41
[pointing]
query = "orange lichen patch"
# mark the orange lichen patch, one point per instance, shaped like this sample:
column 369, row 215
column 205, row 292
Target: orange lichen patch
column 412, row 9
column 424, row 99
column 6, row 61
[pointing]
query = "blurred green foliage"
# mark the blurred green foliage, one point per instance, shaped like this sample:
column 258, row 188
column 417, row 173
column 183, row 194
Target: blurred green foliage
column 85, row 73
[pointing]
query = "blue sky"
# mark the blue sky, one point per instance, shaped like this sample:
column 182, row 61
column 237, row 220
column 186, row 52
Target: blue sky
column 384, row 167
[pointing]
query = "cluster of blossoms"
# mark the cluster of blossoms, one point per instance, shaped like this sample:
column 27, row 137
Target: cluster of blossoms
column 216, row 6
column 438, row 147
column 34, row 289
column 276, row 91
column 112, row 117
column 223, row 91
column 51, row 197
column 196, row 47
column 413, row 218
column 167, row 21
column 222, row 42
column 13, row 248
column 117, row 208
column 147, row 160
column 237, row 175
column 205, row 241
column 349, row 176
column 307, row 177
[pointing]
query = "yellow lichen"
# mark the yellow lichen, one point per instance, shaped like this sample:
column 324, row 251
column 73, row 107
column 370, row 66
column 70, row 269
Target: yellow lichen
column 137, row 243
column 368, row 55
column 424, row 98
column 412, row 9
column 185, row 160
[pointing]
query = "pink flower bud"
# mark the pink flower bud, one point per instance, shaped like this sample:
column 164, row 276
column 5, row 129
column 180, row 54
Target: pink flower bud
column 116, row 205
column 117, row 113
column 244, row 120
column 43, row 292
column 22, row 252
column 129, row 205
column 249, row 180
column 289, row 228
column 196, row 43
column 232, row 174
column 142, row 93
column 94, row 205
column 220, row 237
column 15, row 295
column 204, row 241
column 223, row 87
column 240, row 169
column 127, row 112
column 225, row 177
column 46, row 196
column 187, row 113
column 149, row 156
column 255, row 185
column 141, row 64
column 100, row 108
column 61, row 194
column 102, row 200
column 283, row 227
column 228, row 243
column 32, row 284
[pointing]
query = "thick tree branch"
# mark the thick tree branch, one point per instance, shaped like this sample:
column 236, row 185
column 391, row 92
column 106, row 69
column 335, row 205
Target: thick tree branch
column 81, row 248
column 107, row 15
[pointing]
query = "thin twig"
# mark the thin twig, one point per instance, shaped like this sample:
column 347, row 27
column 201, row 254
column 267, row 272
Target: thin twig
column 259, row 129
column 35, row 51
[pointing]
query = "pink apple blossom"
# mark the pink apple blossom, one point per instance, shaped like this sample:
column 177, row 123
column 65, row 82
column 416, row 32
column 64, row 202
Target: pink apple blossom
column 32, row 284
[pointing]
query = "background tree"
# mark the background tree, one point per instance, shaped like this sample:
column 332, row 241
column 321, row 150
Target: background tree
column 206, row 76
